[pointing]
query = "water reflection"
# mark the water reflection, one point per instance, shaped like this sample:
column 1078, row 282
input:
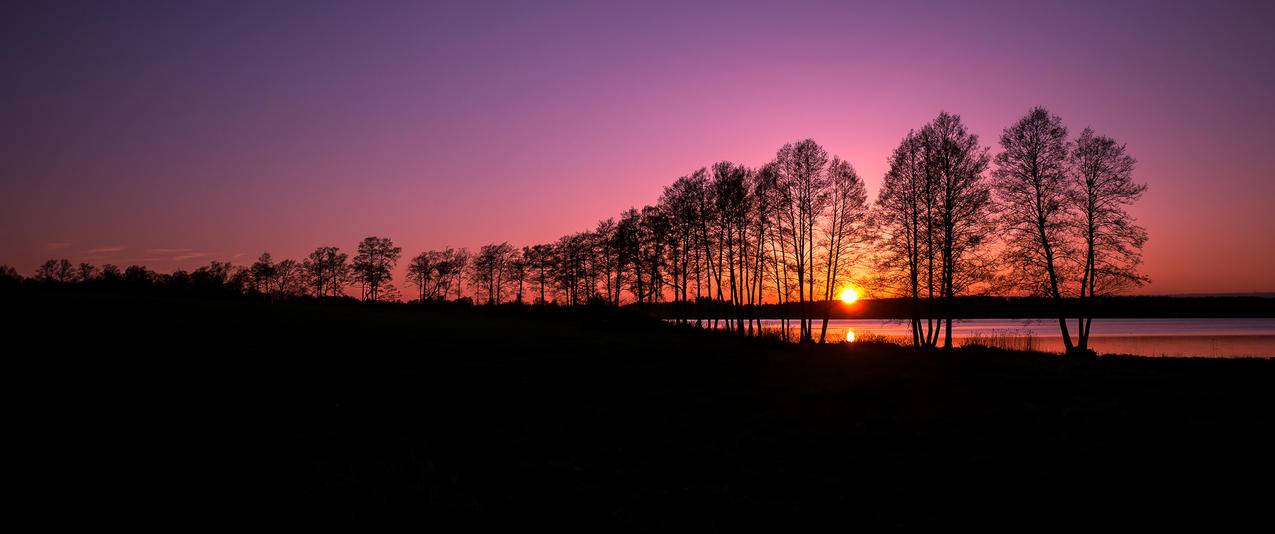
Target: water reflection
column 1144, row 337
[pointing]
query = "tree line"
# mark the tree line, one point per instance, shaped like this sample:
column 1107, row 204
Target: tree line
column 1045, row 216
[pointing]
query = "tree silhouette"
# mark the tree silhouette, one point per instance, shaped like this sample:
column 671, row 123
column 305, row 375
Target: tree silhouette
column 328, row 271
column 517, row 267
column 488, row 269
column 933, row 219
column 955, row 158
column 85, row 272
column 373, row 265
column 844, row 230
column 903, row 225
column 9, row 277
column 804, row 196
column 263, row 274
column 1102, row 175
column 420, row 272
column 1033, row 187
column 790, row 232
column 290, row 279
column 59, row 271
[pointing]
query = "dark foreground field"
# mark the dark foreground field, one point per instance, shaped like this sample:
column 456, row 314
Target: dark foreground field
column 153, row 410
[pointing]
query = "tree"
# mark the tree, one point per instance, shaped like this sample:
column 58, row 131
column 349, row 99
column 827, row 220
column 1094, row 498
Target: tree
column 454, row 263
column 957, row 161
column 210, row 279
column 328, row 271
column 517, row 267
column 488, row 269
column 420, row 271
column 373, row 264
column 843, row 231
column 628, row 246
column 732, row 205
column 803, row 186
column 9, row 277
column 605, row 244
column 540, row 259
column 111, row 274
column 290, row 279
column 59, row 271
column 1102, row 188
column 85, row 272
column 677, row 202
column 263, row 273
column 1033, row 187
column 933, row 219
column 654, row 228
column 763, row 186
column 139, row 276
column 903, row 224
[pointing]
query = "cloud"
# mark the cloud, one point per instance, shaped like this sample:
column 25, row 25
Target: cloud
column 57, row 245
column 105, row 250
column 166, row 250
column 189, row 256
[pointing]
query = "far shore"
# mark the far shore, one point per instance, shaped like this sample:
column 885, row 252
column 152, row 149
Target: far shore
column 989, row 307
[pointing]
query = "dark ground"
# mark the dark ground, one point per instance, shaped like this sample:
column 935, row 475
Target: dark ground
column 150, row 410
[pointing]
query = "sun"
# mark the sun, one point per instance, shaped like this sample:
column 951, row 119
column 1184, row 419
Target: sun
column 849, row 295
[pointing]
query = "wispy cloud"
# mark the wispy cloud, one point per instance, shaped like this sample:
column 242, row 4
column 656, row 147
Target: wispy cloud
column 166, row 250
column 189, row 256
column 105, row 250
column 57, row 245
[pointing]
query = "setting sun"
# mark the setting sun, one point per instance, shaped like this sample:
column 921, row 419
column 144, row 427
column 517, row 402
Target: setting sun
column 849, row 295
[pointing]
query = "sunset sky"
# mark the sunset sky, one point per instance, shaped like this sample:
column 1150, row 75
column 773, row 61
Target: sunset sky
column 174, row 133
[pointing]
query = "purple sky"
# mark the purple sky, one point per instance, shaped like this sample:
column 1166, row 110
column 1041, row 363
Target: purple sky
column 177, row 133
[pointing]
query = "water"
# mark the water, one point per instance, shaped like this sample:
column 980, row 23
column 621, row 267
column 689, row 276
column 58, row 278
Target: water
column 1220, row 338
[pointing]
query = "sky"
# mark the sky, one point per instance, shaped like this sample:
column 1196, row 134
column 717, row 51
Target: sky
column 171, row 134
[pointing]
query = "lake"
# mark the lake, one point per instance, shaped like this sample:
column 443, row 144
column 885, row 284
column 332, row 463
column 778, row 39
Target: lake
column 1222, row 338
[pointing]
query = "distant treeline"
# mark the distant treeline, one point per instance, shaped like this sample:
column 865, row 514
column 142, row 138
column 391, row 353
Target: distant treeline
column 1045, row 216
column 1151, row 307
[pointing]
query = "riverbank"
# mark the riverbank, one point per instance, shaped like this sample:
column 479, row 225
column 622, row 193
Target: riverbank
column 337, row 411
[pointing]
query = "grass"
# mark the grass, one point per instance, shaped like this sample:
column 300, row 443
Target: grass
column 350, row 412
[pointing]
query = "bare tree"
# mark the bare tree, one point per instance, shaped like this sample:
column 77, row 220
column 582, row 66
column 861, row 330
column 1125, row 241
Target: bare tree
column 603, row 242
column 731, row 203
column 517, row 267
column 843, row 231
column 1033, row 187
column 903, row 223
column 957, row 161
column 1103, row 187
column 540, row 259
column 804, row 187
column 290, row 279
column 677, row 202
column 263, row 273
column 85, row 272
column 420, row 271
column 489, row 268
column 373, row 265
column 56, row 271
column 763, row 188
column 328, row 271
